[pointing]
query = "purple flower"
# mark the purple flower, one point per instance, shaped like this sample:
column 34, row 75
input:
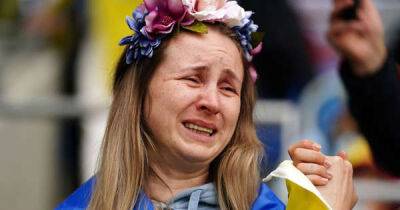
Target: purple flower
column 163, row 15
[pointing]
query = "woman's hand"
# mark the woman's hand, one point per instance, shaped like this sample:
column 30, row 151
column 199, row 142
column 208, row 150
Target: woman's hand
column 360, row 41
column 333, row 176
column 308, row 159
column 339, row 192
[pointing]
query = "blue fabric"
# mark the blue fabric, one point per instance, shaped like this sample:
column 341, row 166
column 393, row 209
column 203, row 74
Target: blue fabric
column 267, row 200
column 202, row 197
column 79, row 200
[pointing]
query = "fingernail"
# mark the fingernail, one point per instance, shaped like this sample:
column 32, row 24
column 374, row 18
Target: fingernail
column 325, row 180
column 327, row 164
column 317, row 146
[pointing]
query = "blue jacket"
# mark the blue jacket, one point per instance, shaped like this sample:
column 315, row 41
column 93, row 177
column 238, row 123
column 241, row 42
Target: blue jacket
column 79, row 200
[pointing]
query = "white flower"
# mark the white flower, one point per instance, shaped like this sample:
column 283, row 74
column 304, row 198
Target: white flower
column 228, row 12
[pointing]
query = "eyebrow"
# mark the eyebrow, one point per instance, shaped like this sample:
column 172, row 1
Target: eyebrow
column 232, row 75
column 206, row 68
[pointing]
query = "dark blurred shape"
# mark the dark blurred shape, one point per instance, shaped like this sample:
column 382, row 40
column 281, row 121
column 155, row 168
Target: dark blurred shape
column 63, row 26
column 284, row 65
column 395, row 46
column 71, row 131
column 375, row 103
column 350, row 13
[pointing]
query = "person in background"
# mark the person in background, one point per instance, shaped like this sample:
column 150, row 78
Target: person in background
column 371, row 78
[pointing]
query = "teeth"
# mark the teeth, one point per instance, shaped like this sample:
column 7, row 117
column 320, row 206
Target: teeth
column 194, row 127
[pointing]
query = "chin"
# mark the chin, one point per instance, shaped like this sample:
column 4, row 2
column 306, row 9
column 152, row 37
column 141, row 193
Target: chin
column 196, row 154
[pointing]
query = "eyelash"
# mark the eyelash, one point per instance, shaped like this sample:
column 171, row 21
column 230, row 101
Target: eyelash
column 193, row 79
column 231, row 89
column 196, row 79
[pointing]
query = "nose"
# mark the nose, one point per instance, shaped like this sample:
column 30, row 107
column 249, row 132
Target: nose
column 209, row 101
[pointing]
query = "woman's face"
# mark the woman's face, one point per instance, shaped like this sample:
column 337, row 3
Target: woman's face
column 193, row 102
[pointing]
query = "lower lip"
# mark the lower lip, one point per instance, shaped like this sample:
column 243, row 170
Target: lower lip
column 196, row 136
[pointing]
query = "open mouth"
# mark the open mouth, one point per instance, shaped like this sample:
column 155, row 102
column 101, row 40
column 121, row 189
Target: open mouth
column 200, row 129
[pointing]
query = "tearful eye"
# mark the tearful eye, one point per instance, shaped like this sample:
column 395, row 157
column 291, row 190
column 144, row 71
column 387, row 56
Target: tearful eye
column 229, row 89
column 193, row 79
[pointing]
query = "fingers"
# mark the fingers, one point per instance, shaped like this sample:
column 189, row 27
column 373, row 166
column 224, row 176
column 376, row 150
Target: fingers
column 314, row 169
column 310, row 161
column 339, row 191
column 366, row 13
column 348, row 167
column 307, row 144
column 340, row 167
column 317, row 180
column 339, row 7
column 341, row 164
column 301, row 155
column 369, row 7
column 338, row 23
column 339, row 27
column 348, row 38
column 351, row 188
column 341, row 4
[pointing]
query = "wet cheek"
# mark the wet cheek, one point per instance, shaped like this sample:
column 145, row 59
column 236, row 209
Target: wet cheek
column 234, row 112
column 173, row 98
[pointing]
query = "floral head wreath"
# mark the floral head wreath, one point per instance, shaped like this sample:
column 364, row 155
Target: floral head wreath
column 155, row 19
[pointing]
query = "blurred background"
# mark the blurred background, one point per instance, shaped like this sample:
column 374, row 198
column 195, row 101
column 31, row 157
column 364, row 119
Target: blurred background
column 56, row 62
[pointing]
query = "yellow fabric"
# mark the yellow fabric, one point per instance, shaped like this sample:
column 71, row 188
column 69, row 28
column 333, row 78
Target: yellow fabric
column 300, row 198
column 108, row 27
column 302, row 194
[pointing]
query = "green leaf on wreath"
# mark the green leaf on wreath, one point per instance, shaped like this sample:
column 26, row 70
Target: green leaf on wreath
column 257, row 37
column 197, row 27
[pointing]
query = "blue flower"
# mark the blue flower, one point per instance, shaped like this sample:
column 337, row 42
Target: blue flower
column 244, row 34
column 139, row 44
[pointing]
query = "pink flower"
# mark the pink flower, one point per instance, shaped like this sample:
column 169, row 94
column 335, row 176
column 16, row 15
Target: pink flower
column 228, row 12
column 256, row 50
column 164, row 14
column 253, row 73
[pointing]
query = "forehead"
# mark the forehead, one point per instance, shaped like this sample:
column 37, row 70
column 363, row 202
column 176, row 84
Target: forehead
column 213, row 48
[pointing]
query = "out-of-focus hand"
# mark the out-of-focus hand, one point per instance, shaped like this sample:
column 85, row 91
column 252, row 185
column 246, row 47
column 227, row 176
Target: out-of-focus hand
column 339, row 192
column 360, row 41
column 310, row 161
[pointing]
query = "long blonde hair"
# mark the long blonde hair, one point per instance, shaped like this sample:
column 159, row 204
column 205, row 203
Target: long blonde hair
column 124, row 168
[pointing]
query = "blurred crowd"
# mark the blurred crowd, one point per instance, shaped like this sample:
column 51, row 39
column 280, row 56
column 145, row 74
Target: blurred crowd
column 65, row 49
